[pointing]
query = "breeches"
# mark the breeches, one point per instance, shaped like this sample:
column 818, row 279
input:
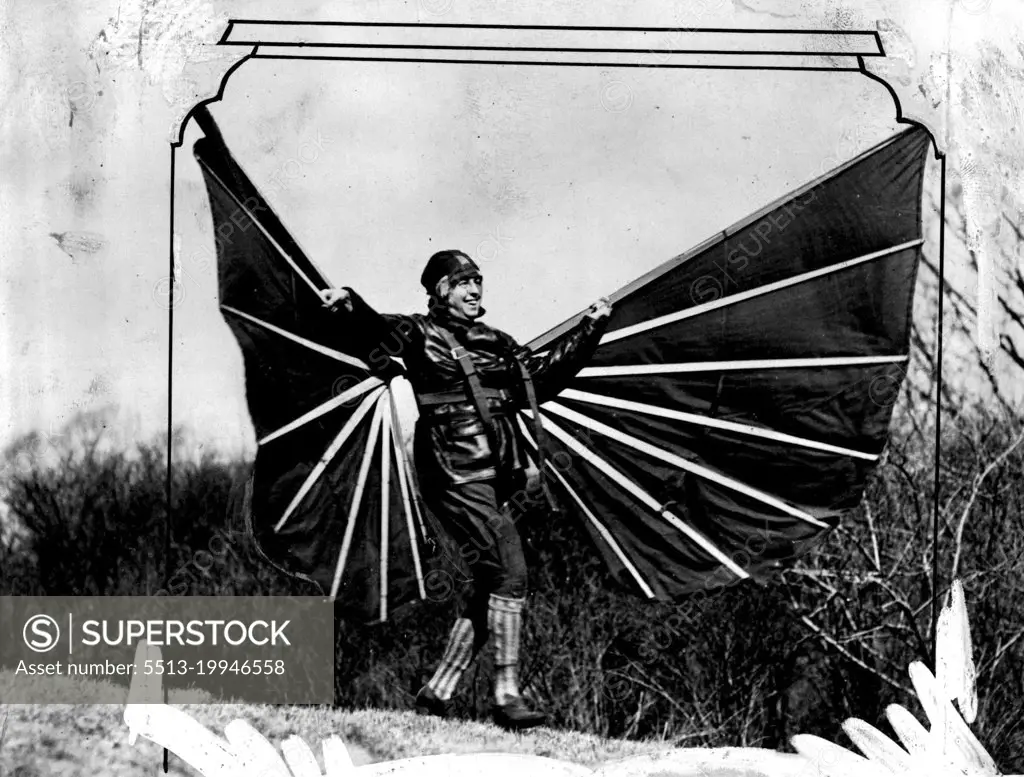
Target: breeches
column 487, row 537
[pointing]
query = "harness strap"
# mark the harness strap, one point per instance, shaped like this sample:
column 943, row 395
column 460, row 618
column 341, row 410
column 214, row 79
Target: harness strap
column 479, row 395
column 476, row 389
column 456, row 397
column 538, row 430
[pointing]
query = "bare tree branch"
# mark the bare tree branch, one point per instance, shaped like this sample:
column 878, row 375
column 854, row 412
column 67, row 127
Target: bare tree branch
column 849, row 656
column 978, row 482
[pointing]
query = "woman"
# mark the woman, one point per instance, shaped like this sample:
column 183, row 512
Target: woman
column 469, row 380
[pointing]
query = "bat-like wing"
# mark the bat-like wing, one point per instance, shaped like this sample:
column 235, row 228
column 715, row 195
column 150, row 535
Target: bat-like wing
column 743, row 392
column 333, row 497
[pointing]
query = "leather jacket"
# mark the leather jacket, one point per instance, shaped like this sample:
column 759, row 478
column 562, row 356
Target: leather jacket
column 451, row 444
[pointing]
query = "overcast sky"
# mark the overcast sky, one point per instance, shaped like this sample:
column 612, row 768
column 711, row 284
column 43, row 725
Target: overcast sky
column 565, row 184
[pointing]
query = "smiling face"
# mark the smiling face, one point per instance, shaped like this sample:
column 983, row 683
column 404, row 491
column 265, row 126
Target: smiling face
column 464, row 296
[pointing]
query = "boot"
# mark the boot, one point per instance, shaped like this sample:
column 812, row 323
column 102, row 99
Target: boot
column 427, row 703
column 516, row 714
column 510, row 710
column 463, row 645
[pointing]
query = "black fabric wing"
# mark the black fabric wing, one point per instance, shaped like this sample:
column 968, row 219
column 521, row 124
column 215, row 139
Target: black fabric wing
column 742, row 393
column 333, row 500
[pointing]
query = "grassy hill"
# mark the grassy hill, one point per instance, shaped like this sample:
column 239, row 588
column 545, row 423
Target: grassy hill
column 66, row 740
column 73, row 740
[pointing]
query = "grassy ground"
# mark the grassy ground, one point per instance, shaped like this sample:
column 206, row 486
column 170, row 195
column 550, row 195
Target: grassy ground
column 68, row 740
column 65, row 740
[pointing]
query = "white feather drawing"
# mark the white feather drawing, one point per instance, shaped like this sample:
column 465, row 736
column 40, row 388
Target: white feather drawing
column 946, row 748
